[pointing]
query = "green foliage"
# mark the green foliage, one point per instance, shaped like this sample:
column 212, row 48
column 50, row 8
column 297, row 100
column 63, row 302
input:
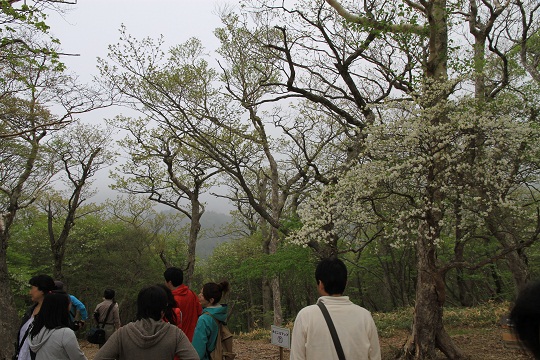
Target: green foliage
column 397, row 320
column 486, row 315
column 242, row 263
column 102, row 252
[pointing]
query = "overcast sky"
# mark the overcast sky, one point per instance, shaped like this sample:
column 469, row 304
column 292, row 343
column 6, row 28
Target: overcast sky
column 91, row 25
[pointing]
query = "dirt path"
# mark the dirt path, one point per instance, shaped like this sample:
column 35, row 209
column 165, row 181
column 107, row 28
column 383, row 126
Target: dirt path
column 479, row 344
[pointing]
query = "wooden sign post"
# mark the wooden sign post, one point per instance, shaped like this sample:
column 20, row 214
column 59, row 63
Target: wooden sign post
column 282, row 338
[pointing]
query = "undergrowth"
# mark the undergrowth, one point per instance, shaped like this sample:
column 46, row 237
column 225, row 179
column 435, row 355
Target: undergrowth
column 482, row 316
column 390, row 323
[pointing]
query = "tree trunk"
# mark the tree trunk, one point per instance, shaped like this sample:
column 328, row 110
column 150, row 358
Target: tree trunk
column 498, row 293
column 428, row 332
column 276, row 296
column 517, row 263
column 194, row 229
column 516, row 260
column 266, row 284
column 276, row 288
column 251, row 305
column 8, row 315
column 266, row 302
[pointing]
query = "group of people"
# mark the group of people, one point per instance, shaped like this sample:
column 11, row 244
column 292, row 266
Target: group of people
column 170, row 323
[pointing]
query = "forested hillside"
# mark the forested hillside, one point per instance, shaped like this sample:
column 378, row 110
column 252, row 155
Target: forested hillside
column 215, row 231
column 399, row 136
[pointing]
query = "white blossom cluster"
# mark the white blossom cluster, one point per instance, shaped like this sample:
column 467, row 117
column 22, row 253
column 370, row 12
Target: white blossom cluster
column 476, row 167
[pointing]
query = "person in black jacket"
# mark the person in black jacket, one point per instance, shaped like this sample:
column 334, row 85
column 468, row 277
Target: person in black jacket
column 40, row 285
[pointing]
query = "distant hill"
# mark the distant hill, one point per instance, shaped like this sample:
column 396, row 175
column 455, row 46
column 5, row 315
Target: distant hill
column 213, row 230
column 213, row 226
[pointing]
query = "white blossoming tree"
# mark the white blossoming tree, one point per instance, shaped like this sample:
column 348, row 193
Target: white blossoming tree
column 446, row 150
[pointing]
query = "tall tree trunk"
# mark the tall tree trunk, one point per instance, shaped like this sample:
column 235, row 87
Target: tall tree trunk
column 459, row 248
column 516, row 259
column 8, row 315
column 266, row 282
column 276, row 288
column 428, row 332
column 517, row 263
column 194, row 229
column 498, row 294
column 251, row 304
column 266, row 302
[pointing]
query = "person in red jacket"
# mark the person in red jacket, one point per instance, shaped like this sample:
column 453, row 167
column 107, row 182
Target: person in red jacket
column 186, row 299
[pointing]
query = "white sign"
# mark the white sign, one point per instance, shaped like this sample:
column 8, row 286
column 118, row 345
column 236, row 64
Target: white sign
column 281, row 337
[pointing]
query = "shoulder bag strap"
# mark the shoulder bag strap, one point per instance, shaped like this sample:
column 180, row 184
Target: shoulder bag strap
column 212, row 316
column 218, row 323
column 20, row 344
column 333, row 332
column 107, row 316
column 73, row 311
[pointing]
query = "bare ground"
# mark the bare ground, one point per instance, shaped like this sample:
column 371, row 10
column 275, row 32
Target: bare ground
column 477, row 343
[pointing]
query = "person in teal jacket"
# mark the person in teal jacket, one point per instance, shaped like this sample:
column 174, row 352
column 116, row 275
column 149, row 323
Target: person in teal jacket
column 206, row 331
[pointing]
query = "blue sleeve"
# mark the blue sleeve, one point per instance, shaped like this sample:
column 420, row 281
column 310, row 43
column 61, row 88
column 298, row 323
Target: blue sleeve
column 79, row 306
column 202, row 335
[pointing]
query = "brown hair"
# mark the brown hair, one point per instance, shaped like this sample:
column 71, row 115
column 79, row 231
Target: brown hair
column 215, row 291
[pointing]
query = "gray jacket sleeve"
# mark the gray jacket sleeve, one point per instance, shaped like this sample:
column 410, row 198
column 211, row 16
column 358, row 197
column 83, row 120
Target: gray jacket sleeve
column 184, row 349
column 71, row 345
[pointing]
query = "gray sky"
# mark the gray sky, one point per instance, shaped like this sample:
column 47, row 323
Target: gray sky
column 91, row 25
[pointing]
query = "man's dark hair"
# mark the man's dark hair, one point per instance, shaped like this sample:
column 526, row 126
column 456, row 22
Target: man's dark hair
column 333, row 274
column 152, row 300
column 54, row 312
column 109, row 294
column 44, row 283
column 174, row 275
column 525, row 316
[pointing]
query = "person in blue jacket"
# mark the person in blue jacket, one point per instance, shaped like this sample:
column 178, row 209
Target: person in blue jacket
column 76, row 305
column 206, row 331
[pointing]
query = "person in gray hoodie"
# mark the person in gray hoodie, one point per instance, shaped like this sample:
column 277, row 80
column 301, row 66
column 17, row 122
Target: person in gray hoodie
column 50, row 337
column 148, row 337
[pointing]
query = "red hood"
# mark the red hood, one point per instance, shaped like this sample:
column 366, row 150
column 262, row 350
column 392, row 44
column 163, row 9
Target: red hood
column 182, row 290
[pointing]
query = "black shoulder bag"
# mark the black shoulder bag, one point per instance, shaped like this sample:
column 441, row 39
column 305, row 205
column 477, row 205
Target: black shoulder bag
column 333, row 332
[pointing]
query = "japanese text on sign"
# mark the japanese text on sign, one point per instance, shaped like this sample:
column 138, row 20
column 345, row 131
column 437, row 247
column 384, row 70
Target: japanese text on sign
column 281, row 337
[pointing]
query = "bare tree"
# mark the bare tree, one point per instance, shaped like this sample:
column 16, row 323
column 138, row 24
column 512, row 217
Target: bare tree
column 82, row 151
column 164, row 168
column 31, row 83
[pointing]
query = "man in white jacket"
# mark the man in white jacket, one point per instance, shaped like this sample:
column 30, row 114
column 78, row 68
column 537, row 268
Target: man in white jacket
column 311, row 338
